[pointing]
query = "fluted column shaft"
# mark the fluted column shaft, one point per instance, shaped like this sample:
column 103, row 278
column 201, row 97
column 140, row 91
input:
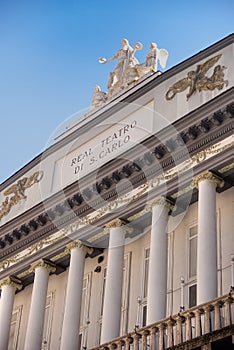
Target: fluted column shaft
column 207, row 238
column 71, row 320
column 157, row 281
column 35, row 325
column 8, row 287
column 114, row 278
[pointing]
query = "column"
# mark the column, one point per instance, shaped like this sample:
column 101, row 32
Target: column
column 157, row 282
column 114, row 278
column 8, row 288
column 207, row 237
column 42, row 269
column 71, row 320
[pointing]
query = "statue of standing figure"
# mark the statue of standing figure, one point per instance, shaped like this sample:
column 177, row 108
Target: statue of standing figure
column 125, row 57
column 154, row 56
column 98, row 98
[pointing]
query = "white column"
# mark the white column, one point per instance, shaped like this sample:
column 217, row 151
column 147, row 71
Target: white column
column 207, row 237
column 157, row 281
column 8, row 288
column 71, row 320
column 34, row 332
column 113, row 291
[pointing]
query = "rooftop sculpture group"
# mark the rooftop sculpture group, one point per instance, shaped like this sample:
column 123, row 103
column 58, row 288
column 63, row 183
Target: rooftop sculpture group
column 128, row 70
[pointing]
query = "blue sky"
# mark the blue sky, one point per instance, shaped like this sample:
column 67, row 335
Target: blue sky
column 49, row 52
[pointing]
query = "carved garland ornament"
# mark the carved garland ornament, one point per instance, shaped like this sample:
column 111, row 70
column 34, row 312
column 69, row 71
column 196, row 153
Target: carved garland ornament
column 16, row 193
column 197, row 80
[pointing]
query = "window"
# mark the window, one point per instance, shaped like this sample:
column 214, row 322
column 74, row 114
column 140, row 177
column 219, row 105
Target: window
column 125, row 293
column 14, row 329
column 192, row 295
column 146, row 272
column 48, row 320
column 192, row 265
column 145, row 287
column 84, row 312
column 192, row 252
column 103, row 288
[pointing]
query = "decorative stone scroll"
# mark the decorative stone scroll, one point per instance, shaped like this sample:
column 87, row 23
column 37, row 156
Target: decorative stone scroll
column 160, row 201
column 49, row 265
column 11, row 281
column 118, row 223
column 79, row 245
column 207, row 175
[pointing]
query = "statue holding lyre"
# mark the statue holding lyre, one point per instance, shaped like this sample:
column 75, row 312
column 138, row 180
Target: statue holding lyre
column 125, row 57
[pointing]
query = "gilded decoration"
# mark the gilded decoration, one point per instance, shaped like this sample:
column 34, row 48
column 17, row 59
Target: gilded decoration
column 78, row 245
column 207, row 175
column 16, row 193
column 12, row 282
column 118, row 223
column 197, row 80
column 160, row 201
column 49, row 265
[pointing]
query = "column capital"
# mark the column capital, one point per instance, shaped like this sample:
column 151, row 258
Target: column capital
column 49, row 265
column 12, row 282
column 78, row 245
column 118, row 223
column 208, row 175
column 160, row 201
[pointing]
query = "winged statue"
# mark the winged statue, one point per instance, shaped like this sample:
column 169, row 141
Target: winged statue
column 16, row 192
column 197, row 80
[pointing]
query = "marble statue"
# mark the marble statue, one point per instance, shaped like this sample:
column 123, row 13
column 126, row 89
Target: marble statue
column 125, row 58
column 98, row 98
column 128, row 70
column 154, row 56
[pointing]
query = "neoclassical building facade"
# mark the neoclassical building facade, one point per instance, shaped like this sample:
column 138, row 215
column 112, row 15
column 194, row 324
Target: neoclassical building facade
column 120, row 234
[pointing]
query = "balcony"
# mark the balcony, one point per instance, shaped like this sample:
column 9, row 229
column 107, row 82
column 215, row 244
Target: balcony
column 207, row 326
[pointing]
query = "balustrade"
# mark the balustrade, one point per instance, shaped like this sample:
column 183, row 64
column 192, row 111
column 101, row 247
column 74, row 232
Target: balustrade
column 187, row 326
